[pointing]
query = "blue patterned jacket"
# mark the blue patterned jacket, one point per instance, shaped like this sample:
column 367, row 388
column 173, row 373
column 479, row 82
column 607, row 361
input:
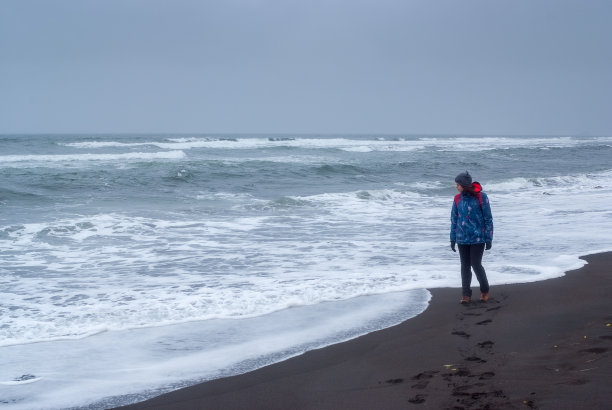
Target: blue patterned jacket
column 471, row 222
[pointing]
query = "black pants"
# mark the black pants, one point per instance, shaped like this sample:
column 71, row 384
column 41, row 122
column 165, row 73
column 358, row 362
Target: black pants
column 471, row 258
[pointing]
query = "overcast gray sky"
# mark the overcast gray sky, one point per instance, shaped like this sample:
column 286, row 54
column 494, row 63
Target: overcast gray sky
column 306, row 66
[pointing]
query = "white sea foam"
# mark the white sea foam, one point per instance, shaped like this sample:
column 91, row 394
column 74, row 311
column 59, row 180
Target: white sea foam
column 596, row 180
column 268, row 260
column 120, row 363
column 106, row 144
column 358, row 145
column 255, row 143
column 492, row 143
column 128, row 156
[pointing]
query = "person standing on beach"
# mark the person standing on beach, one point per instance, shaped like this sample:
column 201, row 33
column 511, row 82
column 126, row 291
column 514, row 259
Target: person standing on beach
column 472, row 230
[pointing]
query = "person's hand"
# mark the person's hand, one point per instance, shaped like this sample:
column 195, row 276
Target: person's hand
column 453, row 246
column 488, row 245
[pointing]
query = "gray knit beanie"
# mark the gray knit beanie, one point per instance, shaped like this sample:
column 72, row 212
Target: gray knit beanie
column 464, row 179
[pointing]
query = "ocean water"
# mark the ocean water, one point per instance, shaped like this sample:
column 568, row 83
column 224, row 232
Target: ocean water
column 132, row 265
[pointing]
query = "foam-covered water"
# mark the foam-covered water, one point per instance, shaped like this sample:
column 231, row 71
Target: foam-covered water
column 133, row 265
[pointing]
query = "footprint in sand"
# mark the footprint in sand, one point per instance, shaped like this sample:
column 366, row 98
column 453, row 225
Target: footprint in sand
column 460, row 333
column 486, row 375
column 475, row 359
column 418, row 399
column 423, row 379
column 425, row 375
column 487, row 344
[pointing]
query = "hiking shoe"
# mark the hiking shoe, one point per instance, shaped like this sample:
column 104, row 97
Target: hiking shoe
column 484, row 297
column 465, row 300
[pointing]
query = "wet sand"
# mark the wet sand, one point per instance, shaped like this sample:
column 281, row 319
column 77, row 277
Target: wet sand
column 544, row 345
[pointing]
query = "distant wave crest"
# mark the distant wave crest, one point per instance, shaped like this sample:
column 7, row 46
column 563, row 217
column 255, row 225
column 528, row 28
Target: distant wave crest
column 130, row 156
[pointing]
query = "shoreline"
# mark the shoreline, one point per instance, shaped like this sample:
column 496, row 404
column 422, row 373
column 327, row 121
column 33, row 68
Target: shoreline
column 542, row 345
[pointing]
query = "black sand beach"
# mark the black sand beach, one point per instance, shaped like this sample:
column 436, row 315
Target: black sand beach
column 544, row 345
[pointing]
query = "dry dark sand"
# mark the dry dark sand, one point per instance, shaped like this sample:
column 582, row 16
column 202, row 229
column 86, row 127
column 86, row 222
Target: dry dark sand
column 544, row 345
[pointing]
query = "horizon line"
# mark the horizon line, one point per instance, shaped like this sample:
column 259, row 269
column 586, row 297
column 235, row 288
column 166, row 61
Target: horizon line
column 410, row 134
